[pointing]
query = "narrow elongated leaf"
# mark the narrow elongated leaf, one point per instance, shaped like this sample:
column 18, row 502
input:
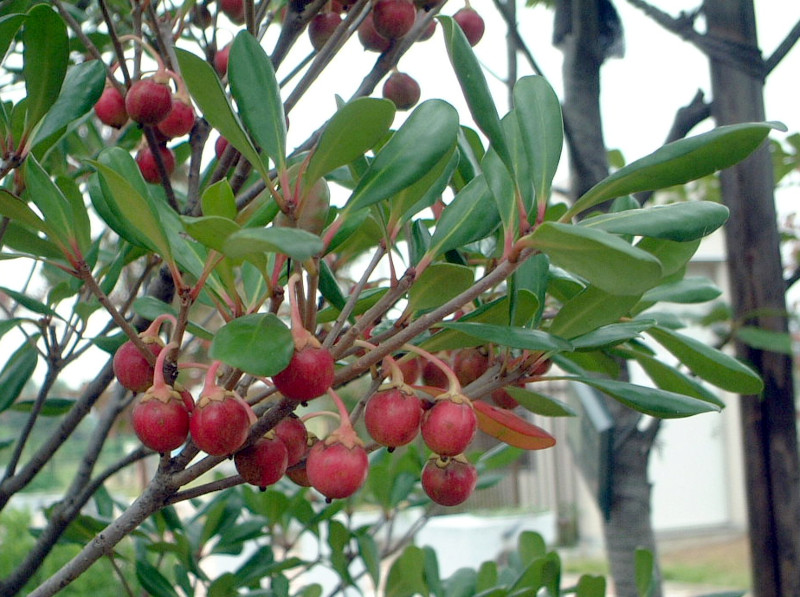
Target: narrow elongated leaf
column 425, row 191
column 45, row 58
column 681, row 222
column 539, row 403
column 438, row 284
column 211, row 231
column 82, row 88
column 368, row 550
column 51, row 202
column 150, row 307
column 207, row 92
column 650, row 401
column 696, row 289
column 539, row 117
column 256, row 91
column 611, row 334
column 501, row 185
column 673, row 255
column 589, row 310
column 9, row 25
column 355, row 129
column 31, row 304
column 676, row 163
column 645, row 571
column 152, row 581
column 605, row 260
column 15, row 209
column 475, row 89
column 406, row 576
column 765, row 339
column 52, row 407
column 294, row 242
column 510, row 428
column 591, row 586
column 512, row 337
column 15, row 374
column 425, row 137
column 716, row 367
column 259, row 344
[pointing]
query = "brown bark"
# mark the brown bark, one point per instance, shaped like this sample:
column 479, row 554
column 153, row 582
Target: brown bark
column 772, row 466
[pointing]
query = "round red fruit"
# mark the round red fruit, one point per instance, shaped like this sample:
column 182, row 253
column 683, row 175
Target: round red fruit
column 233, row 9
column 393, row 417
column 503, row 399
column 293, row 433
column 471, row 24
column 148, row 166
column 433, row 376
column 263, row 462
column 220, row 426
column 322, row 27
column 393, row 18
column 131, row 367
column 309, row 374
column 370, row 38
column 335, row 470
column 179, row 121
column 161, row 425
column 469, row 364
column 449, row 426
column 402, row 90
column 221, row 60
column 110, row 108
column 148, row 102
column 449, row 481
column 411, row 369
column 430, row 29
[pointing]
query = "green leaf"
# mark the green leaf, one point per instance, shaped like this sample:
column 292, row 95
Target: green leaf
column 370, row 555
column 470, row 216
column 765, row 339
column 259, row 344
column 294, row 242
column 9, row 25
column 589, row 310
column 52, row 407
column 29, row 303
column 688, row 290
column 338, row 538
column 591, row 586
column 355, row 128
column 15, row 374
column 256, row 91
column 611, row 334
column 512, row 337
column 716, row 367
column 211, row 231
column 677, row 163
column 501, row 185
column 438, row 284
column 223, row 586
column 645, row 571
column 428, row 134
column 406, row 576
column 650, row 401
column 473, row 85
column 51, row 202
column 688, row 220
column 152, row 581
column 149, row 307
column 15, row 209
column 218, row 200
column 425, row 191
column 366, row 300
column 539, row 117
column 82, row 88
column 673, row 255
column 605, row 260
column 45, row 58
column 207, row 92
column 540, row 404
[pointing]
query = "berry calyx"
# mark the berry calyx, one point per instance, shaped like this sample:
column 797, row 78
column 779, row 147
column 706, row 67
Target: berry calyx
column 148, row 101
column 449, row 481
column 263, row 462
column 402, row 89
column 321, row 28
column 393, row 18
column 449, row 426
column 221, row 420
column 392, row 416
column 110, row 108
column 148, row 166
column 471, row 24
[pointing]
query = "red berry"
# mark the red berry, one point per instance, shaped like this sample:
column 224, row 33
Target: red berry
column 402, row 90
column 179, row 121
column 110, row 108
column 433, row 376
column 159, row 425
column 132, row 369
column 449, row 481
column 469, row 364
column 220, row 425
column 430, row 29
column 393, row 18
column 370, row 38
column 293, row 433
column 322, row 27
column 471, row 24
column 393, row 417
column 298, row 473
column 503, row 399
column 221, row 60
column 335, row 470
column 449, row 426
column 148, row 166
column 411, row 370
column 148, row 102
column 220, row 145
column 233, row 9
column 308, row 375
column 263, row 462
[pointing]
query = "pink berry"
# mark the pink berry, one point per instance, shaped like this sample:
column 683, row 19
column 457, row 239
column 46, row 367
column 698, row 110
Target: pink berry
column 110, row 108
column 449, row 426
column 370, row 38
column 469, row 364
column 293, row 433
column 471, row 24
column 220, row 426
column 392, row 417
column 449, row 481
column 179, row 121
column 159, row 425
column 402, row 90
column 148, row 102
column 308, row 375
column 322, row 27
column 335, row 470
column 263, row 462
column 221, row 60
column 131, row 367
column 393, row 18
column 233, row 9
column 148, row 166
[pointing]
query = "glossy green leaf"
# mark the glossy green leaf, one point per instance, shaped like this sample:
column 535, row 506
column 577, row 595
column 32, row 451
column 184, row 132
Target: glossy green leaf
column 152, row 581
column 211, row 231
column 650, row 401
column 605, row 260
column 259, row 344
column 589, row 310
column 52, row 407
column 425, row 191
column 294, row 242
column 716, row 367
column 15, row 209
column 669, row 378
column 474, row 87
column 645, row 572
column 673, row 255
column 470, row 216
column 16, row 372
column 207, row 92
column 695, row 289
column 9, row 25
column 218, row 200
column 501, row 185
column 611, row 334
column 512, row 337
column 370, row 556
column 31, row 304
column 149, row 307
column 539, row 403
column 539, row 117
column 354, row 129
column 677, row 163
column 438, row 284
column 45, row 57
column 406, row 575
column 765, row 339
column 688, row 220
column 428, row 134
column 52, row 203
column 256, row 91
column 591, row 586
column 82, row 87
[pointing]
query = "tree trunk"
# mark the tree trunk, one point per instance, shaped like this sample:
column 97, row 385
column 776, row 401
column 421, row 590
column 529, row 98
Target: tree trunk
column 629, row 526
column 772, row 467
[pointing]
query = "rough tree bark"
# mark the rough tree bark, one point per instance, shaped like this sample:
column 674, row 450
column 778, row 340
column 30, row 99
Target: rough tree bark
column 772, row 467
